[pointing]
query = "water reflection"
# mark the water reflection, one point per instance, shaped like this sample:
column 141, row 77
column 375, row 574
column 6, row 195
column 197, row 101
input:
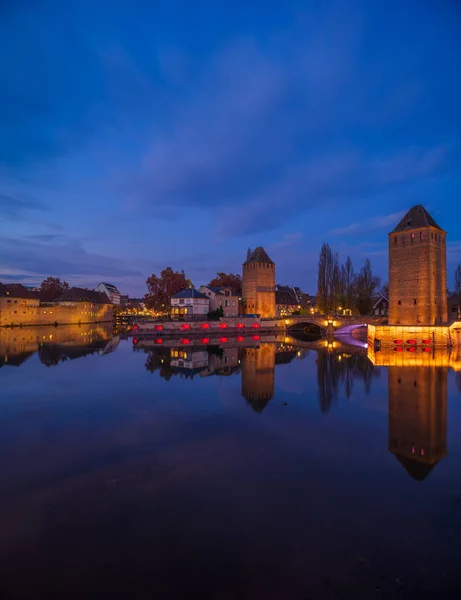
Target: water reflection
column 258, row 375
column 55, row 345
column 338, row 368
column 417, row 388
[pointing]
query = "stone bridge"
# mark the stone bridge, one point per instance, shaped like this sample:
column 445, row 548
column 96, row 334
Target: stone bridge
column 328, row 324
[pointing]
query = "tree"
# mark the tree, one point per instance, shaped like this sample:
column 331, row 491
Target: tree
column 384, row 291
column 161, row 289
column 328, row 281
column 458, row 284
column 348, row 282
column 228, row 280
column 51, row 288
column 365, row 284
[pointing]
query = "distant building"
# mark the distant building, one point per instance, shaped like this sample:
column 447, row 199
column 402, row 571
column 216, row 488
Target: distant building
column 286, row 300
column 417, row 271
column 17, row 304
column 222, row 297
column 188, row 303
column 87, row 306
column 454, row 308
column 258, row 284
column 381, row 307
column 111, row 291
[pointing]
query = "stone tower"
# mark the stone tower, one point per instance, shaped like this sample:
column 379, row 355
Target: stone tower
column 258, row 284
column 418, row 417
column 258, row 368
column 417, row 271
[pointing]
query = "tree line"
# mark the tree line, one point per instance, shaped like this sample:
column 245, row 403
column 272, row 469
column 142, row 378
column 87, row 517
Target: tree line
column 339, row 286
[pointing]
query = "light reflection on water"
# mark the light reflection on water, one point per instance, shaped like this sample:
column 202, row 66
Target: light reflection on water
column 260, row 467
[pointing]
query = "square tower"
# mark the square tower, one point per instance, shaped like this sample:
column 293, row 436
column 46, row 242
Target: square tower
column 417, row 271
column 258, row 284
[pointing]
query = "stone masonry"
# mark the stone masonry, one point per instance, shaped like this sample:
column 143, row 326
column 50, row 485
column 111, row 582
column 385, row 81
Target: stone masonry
column 258, row 284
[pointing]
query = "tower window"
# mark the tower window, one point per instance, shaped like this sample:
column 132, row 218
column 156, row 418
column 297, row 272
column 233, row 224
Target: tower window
column 399, row 302
column 421, row 235
column 395, row 241
column 412, row 236
column 414, row 301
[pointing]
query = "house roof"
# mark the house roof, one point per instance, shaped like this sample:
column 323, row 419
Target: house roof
column 190, row 293
column 16, row 290
column 215, row 289
column 416, row 218
column 110, row 286
column 285, row 296
column 259, row 255
column 76, row 294
column 379, row 300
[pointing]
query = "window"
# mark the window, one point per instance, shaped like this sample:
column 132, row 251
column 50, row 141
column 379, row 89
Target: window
column 399, row 302
column 414, row 301
column 412, row 236
column 233, row 302
column 421, row 235
column 395, row 241
column 181, row 301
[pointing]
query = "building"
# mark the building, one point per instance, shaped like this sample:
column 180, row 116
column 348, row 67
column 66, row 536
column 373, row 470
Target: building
column 286, row 300
column 381, row 307
column 258, row 375
column 222, row 297
column 17, row 304
column 189, row 303
column 110, row 290
column 258, row 284
column 418, row 417
column 83, row 306
column 417, row 271
column 454, row 307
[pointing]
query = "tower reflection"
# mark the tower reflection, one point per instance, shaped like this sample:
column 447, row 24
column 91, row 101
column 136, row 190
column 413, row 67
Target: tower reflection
column 417, row 387
column 258, row 368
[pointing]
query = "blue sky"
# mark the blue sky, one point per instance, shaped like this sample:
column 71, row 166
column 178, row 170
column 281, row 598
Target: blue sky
column 139, row 135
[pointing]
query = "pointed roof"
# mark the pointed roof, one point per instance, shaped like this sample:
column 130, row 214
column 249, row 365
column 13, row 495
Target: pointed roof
column 415, row 468
column 259, row 255
column 78, row 294
column 416, row 218
column 190, row 293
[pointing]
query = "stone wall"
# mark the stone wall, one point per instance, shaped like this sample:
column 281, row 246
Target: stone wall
column 394, row 336
column 31, row 313
column 417, row 277
column 258, row 289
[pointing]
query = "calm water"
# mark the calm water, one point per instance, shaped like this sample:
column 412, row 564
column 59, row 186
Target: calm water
column 268, row 470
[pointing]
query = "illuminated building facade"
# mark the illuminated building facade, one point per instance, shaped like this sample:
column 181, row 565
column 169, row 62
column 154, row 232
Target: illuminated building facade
column 258, row 284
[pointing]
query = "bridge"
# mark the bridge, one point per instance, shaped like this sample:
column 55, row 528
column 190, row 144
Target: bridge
column 329, row 324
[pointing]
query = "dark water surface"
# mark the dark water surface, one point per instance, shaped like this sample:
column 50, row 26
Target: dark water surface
column 267, row 470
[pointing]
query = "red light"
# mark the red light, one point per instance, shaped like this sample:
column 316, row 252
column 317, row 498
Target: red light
column 205, row 340
column 427, row 342
column 256, row 337
column 411, row 349
column 135, row 341
column 185, row 341
column 159, row 341
column 158, row 327
column 223, row 340
column 426, row 349
column 205, row 326
column 135, row 327
column 240, row 338
column 399, row 342
column 223, row 325
column 240, row 325
column 398, row 349
column 185, row 326
column 412, row 342
column 256, row 325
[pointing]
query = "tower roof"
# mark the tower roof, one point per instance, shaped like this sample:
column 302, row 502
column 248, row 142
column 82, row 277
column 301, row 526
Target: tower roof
column 416, row 469
column 259, row 255
column 416, row 218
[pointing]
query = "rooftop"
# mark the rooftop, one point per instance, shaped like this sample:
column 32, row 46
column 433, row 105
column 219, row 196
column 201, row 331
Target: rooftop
column 16, row 290
column 110, row 286
column 416, row 218
column 258, row 255
column 190, row 293
column 76, row 294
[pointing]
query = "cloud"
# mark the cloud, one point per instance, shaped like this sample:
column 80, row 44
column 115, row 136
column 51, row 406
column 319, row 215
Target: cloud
column 13, row 206
column 65, row 258
column 372, row 224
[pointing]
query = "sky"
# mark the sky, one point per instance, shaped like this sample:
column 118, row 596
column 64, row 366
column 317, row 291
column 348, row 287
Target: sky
column 145, row 134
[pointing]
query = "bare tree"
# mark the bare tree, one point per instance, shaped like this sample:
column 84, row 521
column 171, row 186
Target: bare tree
column 328, row 281
column 365, row 285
